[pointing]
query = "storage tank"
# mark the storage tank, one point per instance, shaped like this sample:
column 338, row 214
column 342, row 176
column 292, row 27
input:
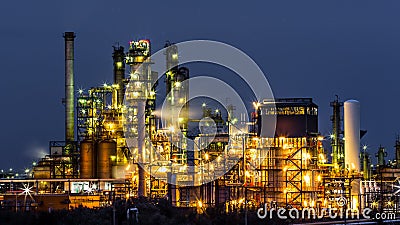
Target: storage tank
column 88, row 159
column 352, row 134
column 105, row 149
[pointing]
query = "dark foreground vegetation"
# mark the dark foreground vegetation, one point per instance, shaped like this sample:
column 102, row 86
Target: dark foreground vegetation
column 151, row 212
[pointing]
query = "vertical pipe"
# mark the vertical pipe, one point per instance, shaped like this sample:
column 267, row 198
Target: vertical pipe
column 69, row 87
column 119, row 73
column 365, row 165
column 337, row 153
column 141, row 149
column 381, row 156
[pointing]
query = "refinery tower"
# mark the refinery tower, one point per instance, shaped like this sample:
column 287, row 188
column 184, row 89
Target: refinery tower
column 295, row 168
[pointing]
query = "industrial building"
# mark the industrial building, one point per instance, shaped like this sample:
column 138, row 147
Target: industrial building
column 97, row 162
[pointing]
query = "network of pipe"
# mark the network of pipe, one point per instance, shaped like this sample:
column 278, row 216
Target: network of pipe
column 291, row 169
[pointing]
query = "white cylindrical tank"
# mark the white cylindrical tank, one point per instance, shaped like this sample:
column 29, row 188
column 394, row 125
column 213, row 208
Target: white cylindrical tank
column 352, row 134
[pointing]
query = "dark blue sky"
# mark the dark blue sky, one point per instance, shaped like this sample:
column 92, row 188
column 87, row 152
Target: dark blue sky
column 307, row 49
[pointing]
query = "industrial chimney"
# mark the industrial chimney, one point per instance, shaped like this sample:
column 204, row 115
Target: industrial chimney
column 69, row 87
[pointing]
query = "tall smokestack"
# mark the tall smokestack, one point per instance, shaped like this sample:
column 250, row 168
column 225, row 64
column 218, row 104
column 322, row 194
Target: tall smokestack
column 69, row 87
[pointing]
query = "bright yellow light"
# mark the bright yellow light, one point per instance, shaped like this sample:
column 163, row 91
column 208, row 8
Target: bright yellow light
column 200, row 204
column 128, row 167
column 134, row 76
column 355, row 202
column 285, row 169
column 319, row 178
column 183, row 168
column 247, row 174
column 219, row 158
column 178, row 84
column 206, row 156
column 203, row 105
column 306, row 156
column 322, row 158
column 336, row 166
column 305, row 203
column 307, row 179
column 256, row 105
column 138, row 84
column 320, row 138
column 118, row 64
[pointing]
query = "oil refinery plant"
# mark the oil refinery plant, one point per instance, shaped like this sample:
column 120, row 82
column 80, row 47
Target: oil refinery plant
column 97, row 164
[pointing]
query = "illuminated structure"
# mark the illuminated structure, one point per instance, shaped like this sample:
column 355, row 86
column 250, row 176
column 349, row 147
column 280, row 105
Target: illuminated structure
column 336, row 137
column 296, row 162
column 141, row 99
column 177, row 94
column 288, row 169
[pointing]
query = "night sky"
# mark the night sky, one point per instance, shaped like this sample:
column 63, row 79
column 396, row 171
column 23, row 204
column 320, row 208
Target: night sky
column 307, row 49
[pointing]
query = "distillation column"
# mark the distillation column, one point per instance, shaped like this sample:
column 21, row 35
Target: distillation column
column 119, row 73
column 177, row 90
column 140, row 91
column 337, row 149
